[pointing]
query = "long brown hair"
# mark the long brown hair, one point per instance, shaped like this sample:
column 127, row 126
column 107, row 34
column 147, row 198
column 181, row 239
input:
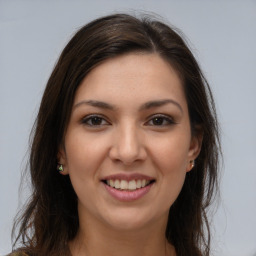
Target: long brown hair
column 50, row 219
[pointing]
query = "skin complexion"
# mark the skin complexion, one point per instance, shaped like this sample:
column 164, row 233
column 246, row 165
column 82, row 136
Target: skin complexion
column 127, row 149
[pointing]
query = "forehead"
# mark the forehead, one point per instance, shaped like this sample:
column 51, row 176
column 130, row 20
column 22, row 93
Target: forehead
column 132, row 78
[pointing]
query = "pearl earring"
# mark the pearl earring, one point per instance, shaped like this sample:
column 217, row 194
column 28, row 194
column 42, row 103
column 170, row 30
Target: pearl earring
column 192, row 164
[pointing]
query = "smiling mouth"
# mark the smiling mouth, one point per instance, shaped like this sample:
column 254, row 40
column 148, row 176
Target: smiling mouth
column 125, row 185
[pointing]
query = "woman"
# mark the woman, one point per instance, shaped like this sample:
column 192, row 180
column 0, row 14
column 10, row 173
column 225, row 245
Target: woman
column 128, row 120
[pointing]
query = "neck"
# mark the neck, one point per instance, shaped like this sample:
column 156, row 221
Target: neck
column 97, row 239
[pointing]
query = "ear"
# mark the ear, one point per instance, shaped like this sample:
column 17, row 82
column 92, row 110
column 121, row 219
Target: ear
column 195, row 148
column 62, row 160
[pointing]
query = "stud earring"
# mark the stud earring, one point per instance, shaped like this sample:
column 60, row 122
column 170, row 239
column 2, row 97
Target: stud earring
column 192, row 164
column 60, row 168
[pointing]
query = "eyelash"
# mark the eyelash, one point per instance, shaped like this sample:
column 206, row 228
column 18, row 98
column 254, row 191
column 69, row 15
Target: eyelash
column 89, row 118
column 167, row 119
column 158, row 117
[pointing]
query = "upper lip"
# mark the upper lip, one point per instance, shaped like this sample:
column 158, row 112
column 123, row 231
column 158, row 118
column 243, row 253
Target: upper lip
column 128, row 177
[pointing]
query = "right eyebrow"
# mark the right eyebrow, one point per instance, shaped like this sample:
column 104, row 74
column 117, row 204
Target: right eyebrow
column 95, row 103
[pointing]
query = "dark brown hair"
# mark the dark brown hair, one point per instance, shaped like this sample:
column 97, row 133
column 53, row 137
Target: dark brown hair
column 50, row 219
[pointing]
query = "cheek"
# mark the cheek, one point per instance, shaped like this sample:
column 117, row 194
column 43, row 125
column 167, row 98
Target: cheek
column 82, row 151
column 170, row 159
column 170, row 154
column 84, row 158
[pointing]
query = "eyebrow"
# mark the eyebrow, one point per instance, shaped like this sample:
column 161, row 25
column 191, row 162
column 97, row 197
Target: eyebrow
column 95, row 103
column 145, row 106
column 159, row 103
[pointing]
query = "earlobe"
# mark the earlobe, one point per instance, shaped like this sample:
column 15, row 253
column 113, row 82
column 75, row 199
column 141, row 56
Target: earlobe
column 194, row 150
column 60, row 168
column 190, row 165
column 62, row 163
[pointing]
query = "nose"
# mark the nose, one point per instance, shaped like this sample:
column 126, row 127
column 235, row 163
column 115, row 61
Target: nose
column 128, row 145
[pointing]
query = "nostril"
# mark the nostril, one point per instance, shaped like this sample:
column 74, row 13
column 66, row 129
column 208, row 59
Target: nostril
column 127, row 151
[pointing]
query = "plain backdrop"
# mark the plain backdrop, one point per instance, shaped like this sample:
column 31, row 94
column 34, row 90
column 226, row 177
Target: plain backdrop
column 222, row 35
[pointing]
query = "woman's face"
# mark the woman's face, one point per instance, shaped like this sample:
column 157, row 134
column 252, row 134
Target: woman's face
column 128, row 143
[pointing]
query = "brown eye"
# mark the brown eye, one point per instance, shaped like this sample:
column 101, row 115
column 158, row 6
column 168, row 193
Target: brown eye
column 94, row 121
column 160, row 120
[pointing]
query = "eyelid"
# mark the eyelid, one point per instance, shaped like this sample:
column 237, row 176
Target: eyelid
column 167, row 118
column 85, row 119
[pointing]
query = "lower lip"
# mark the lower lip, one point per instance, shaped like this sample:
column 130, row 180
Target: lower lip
column 125, row 195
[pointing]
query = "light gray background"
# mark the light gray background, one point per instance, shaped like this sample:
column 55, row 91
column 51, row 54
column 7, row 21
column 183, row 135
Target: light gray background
column 222, row 35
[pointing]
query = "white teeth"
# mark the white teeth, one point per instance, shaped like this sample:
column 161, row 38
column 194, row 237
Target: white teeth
column 138, row 185
column 117, row 184
column 127, row 185
column 124, row 184
column 132, row 185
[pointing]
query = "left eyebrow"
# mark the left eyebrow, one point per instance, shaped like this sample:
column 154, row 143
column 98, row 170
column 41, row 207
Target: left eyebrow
column 159, row 103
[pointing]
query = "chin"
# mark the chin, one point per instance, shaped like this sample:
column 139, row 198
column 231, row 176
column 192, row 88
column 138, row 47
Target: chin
column 130, row 219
